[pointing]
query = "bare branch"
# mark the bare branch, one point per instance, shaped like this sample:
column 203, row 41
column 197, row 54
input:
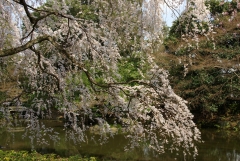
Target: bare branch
column 173, row 9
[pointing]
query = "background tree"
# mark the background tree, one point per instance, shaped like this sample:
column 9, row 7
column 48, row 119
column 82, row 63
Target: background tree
column 205, row 70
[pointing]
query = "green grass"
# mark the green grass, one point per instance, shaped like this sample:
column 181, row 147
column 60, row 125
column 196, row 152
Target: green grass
column 34, row 156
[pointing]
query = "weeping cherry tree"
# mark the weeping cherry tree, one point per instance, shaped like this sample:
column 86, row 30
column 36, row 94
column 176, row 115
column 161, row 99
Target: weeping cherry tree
column 90, row 60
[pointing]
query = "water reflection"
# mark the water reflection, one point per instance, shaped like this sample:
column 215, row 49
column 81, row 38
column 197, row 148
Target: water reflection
column 217, row 146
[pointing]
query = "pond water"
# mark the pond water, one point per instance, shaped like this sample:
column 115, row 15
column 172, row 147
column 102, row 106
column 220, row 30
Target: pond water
column 217, row 146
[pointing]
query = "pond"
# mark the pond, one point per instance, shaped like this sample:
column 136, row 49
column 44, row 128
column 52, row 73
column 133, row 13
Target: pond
column 217, row 146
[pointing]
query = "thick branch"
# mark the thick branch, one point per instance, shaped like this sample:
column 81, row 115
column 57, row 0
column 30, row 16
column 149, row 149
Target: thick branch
column 31, row 19
column 12, row 51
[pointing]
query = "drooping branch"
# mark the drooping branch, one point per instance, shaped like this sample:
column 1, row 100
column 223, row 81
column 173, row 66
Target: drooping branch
column 90, row 78
column 43, row 70
column 28, row 45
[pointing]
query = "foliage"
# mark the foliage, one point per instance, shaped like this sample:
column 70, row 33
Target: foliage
column 206, row 90
column 84, row 11
column 3, row 96
column 132, row 68
column 218, row 7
